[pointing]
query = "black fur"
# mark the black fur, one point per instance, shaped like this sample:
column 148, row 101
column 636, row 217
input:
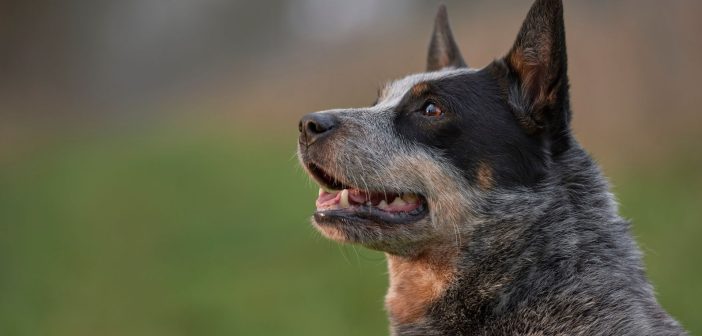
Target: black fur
column 478, row 126
column 570, row 268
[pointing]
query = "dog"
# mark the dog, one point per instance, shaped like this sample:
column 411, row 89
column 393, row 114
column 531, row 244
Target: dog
column 494, row 220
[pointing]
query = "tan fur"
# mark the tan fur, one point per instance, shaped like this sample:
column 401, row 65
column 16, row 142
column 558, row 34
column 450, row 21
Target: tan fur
column 416, row 282
column 527, row 63
column 484, row 176
column 419, row 89
column 517, row 61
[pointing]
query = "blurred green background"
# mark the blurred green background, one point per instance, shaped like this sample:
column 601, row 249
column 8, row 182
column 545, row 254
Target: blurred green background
column 148, row 179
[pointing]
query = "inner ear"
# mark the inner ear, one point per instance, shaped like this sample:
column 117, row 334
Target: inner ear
column 443, row 50
column 538, row 64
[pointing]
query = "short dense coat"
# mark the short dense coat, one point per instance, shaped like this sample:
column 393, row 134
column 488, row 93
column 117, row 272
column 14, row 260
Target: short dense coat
column 512, row 228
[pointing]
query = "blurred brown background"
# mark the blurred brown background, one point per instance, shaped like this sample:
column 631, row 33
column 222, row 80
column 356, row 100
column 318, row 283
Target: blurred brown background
column 175, row 122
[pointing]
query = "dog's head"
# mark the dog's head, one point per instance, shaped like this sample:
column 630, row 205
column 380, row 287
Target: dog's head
column 422, row 164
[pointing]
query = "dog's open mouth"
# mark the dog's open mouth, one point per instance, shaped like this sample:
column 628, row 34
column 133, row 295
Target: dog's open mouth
column 338, row 200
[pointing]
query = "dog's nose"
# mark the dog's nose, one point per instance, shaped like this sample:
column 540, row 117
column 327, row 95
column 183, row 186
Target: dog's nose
column 315, row 126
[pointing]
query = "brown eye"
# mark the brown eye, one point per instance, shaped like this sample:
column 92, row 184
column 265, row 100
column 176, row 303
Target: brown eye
column 431, row 110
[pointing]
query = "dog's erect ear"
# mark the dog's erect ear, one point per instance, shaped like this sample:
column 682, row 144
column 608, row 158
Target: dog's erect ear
column 443, row 51
column 538, row 69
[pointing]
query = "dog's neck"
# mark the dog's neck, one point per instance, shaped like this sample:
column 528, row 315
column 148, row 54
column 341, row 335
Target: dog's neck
column 416, row 282
column 445, row 275
column 462, row 284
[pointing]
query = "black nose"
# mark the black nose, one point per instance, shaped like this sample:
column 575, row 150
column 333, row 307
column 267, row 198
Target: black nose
column 315, row 126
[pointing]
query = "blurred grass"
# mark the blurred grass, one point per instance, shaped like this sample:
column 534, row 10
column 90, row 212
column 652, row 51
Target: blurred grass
column 664, row 202
column 183, row 231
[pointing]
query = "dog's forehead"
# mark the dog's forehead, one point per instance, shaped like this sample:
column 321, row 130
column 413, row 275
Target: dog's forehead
column 393, row 91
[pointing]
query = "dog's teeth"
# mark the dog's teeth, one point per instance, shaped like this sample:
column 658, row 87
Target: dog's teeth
column 383, row 205
column 398, row 202
column 321, row 191
column 344, row 200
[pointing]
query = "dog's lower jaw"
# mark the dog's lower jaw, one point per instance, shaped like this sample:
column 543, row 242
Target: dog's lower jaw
column 416, row 282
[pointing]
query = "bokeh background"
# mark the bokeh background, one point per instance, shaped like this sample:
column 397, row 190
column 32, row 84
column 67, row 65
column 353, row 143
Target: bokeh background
column 148, row 183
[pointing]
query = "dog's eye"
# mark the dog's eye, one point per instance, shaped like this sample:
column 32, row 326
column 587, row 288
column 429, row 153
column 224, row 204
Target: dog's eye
column 431, row 110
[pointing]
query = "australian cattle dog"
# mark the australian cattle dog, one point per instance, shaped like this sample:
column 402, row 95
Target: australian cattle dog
column 494, row 220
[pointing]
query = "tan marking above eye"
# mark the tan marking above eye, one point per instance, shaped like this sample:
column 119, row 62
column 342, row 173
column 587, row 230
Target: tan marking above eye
column 419, row 89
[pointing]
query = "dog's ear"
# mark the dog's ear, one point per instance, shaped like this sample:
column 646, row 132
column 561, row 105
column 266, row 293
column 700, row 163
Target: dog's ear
column 537, row 65
column 443, row 51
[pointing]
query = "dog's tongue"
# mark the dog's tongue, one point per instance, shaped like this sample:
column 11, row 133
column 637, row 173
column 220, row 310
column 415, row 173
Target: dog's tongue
column 327, row 199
